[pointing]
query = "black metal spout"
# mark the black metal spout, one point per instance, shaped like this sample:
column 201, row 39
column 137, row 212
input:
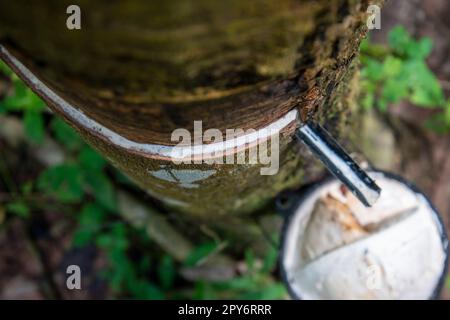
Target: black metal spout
column 339, row 162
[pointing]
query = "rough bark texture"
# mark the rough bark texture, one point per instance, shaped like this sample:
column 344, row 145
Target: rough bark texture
column 143, row 70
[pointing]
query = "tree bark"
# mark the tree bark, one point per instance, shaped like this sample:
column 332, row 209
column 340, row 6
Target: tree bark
column 138, row 70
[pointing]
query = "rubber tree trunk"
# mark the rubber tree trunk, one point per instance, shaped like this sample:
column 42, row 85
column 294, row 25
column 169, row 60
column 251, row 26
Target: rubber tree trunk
column 136, row 71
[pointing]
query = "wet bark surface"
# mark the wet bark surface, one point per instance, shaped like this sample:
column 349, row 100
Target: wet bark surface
column 145, row 70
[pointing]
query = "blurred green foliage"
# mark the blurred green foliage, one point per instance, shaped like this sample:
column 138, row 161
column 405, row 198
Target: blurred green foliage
column 85, row 184
column 24, row 100
column 254, row 284
column 399, row 72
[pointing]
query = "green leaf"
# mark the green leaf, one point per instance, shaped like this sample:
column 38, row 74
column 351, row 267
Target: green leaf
column 18, row 208
column 166, row 272
column 245, row 283
column 66, row 135
column 121, row 274
column 102, row 189
column 399, row 39
column 91, row 216
column 423, row 49
column 373, row 70
column 105, row 240
column 23, row 99
column 5, row 69
column 91, row 160
column 365, row 45
column 114, row 241
column 271, row 292
column 144, row 264
column 148, row 291
column 425, row 87
column 250, row 260
column 270, row 260
column 404, row 76
column 34, row 102
column 422, row 98
column 368, row 101
column 90, row 221
column 64, row 182
column 18, row 100
column 382, row 104
column 394, row 91
column 200, row 253
column 404, row 45
column 82, row 238
column 34, row 126
column 203, row 291
column 391, row 67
